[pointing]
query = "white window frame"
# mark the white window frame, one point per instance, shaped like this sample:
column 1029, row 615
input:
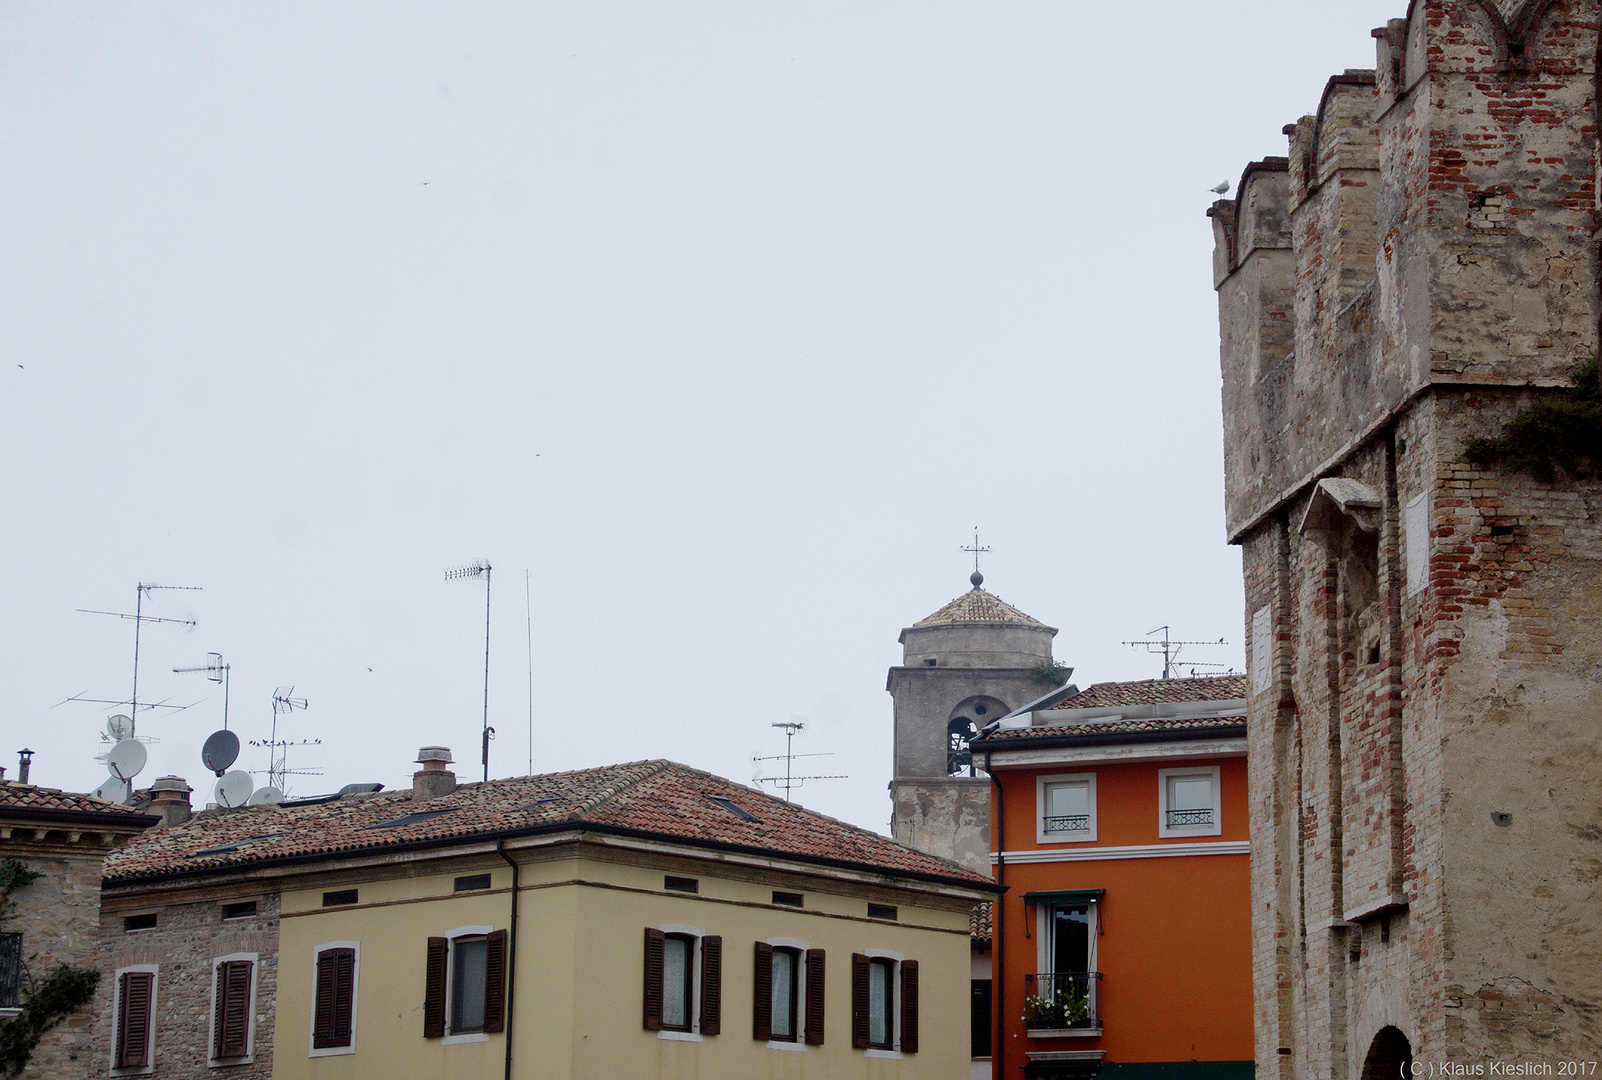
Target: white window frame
column 355, row 997
column 801, row 948
column 894, row 1019
column 1163, row 829
column 451, row 1039
column 694, row 1034
column 212, row 1060
column 116, row 1010
column 1041, row 783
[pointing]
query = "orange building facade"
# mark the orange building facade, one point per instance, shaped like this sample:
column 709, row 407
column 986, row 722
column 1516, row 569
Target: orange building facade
column 1122, row 945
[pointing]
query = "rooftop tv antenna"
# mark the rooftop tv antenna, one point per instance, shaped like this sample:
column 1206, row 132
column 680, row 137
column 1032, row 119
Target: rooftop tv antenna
column 789, row 782
column 481, row 568
column 139, row 619
column 215, row 671
column 1170, row 649
column 277, row 749
column 528, row 610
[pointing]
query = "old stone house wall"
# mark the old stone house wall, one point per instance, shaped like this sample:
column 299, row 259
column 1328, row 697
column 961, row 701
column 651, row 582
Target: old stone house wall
column 1424, row 635
column 190, row 934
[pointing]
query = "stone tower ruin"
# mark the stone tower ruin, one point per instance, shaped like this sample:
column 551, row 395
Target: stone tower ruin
column 1425, row 633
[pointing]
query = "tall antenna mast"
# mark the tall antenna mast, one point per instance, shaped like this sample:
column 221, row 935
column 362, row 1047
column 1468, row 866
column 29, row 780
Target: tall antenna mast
column 139, row 619
column 481, row 568
column 789, row 781
column 1170, row 650
column 277, row 749
column 528, row 610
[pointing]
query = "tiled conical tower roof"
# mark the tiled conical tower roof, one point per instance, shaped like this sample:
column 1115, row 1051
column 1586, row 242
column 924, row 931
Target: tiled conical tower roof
column 978, row 606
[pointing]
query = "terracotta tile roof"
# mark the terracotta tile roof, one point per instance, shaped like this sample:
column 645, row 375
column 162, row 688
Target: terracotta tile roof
column 979, row 923
column 1101, row 731
column 15, row 797
column 660, row 798
column 1157, row 692
column 978, row 606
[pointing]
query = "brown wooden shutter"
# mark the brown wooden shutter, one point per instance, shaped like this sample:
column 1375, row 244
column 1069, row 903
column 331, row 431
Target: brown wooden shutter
column 133, row 1019
column 335, row 1006
column 762, row 993
column 232, row 1023
column 711, row 985
column 859, row 1001
column 219, row 1006
column 654, row 939
column 814, row 997
column 909, row 1006
column 495, row 982
column 434, row 989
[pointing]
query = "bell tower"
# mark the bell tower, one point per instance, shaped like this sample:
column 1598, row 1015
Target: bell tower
column 971, row 662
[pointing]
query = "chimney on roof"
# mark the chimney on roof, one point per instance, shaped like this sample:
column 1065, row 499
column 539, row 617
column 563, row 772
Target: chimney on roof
column 433, row 779
column 169, row 798
column 24, row 762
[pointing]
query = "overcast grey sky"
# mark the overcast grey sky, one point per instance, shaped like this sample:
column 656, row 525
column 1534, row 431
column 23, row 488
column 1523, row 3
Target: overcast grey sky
column 727, row 321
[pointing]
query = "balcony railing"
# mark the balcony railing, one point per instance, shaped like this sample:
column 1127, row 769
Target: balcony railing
column 1061, row 1001
column 1068, row 823
column 1180, row 818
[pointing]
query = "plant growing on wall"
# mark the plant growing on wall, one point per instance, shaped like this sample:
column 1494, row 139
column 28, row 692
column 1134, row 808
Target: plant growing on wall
column 1053, row 671
column 1559, row 433
column 45, row 1002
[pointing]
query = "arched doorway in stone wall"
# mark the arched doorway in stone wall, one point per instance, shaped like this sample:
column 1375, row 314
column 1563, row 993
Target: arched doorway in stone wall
column 1390, row 1056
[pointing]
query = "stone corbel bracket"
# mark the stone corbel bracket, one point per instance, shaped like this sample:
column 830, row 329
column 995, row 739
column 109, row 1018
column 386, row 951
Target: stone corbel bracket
column 1339, row 495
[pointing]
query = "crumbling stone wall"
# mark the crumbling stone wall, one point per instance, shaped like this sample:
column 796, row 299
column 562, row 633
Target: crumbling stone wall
column 1425, row 636
column 190, row 933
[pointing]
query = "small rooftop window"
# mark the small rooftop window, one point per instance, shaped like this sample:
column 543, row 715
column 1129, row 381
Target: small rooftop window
column 728, row 804
column 413, row 818
column 234, row 845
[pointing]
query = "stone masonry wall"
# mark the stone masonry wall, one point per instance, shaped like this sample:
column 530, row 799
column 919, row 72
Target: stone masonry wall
column 1424, row 749
column 188, row 936
column 59, row 919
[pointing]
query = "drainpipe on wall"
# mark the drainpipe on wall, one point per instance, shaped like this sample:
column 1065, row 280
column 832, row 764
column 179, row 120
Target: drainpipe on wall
column 998, row 1049
column 511, row 956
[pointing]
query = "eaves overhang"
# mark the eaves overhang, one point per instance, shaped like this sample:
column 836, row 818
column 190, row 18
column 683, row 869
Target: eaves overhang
column 578, row 828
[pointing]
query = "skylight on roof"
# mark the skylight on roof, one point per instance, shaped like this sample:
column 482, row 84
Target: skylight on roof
column 412, row 819
column 728, row 804
column 234, row 845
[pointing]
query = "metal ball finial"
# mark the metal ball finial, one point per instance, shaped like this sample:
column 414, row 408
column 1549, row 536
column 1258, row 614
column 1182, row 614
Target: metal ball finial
column 977, row 578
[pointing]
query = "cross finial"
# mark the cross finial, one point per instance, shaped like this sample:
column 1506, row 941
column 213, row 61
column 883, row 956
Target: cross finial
column 976, row 577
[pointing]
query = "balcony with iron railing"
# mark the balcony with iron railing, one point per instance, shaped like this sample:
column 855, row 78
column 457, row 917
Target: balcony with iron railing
column 1062, row 1004
column 1068, row 823
column 1180, row 819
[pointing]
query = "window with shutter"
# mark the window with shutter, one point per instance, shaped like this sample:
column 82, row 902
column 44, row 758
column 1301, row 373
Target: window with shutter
column 434, row 989
column 654, row 942
column 495, row 982
column 814, row 993
column 762, row 993
column 231, row 1002
column 711, row 984
column 335, row 1006
column 909, row 1007
column 859, row 1001
column 135, row 1004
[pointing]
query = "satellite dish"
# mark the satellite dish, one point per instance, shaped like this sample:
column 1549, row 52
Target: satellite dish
column 233, row 789
column 220, row 752
column 113, row 790
column 266, row 797
column 120, row 727
column 126, row 759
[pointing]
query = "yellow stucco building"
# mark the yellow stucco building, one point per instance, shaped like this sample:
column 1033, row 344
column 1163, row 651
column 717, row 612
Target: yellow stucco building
column 642, row 920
